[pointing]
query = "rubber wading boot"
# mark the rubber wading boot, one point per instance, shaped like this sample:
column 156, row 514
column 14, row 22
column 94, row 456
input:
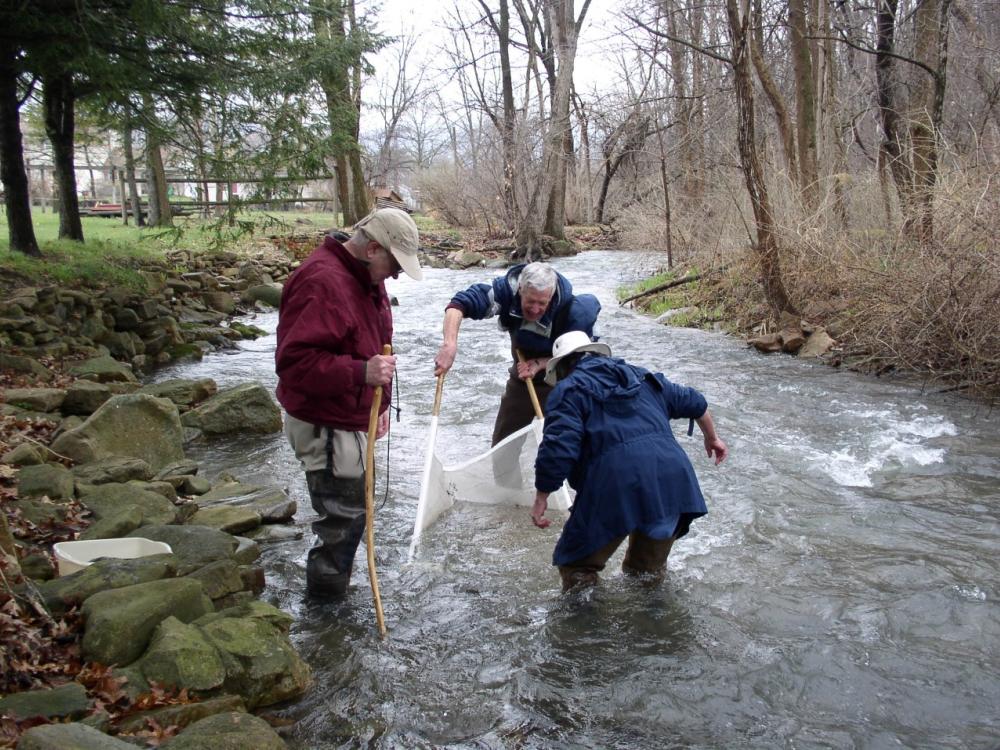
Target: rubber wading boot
column 340, row 504
column 578, row 577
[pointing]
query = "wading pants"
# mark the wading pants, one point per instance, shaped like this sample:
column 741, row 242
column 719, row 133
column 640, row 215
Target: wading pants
column 645, row 557
column 339, row 528
column 516, row 410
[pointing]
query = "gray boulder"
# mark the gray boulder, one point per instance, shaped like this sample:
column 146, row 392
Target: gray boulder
column 247, row 551
column 52, row 480
column 260, row 663
column 194, row 485
column 228, row 731
column 179, row 655
column 272, row 534
column 36, row 399
column 62, row 594
column 228, row 518
column 85, row 397
column 183, row 714
column 220, row 579
column 269, row 294
column 66, row 701
column 183, row 392
column 107, row 500
column 192, row 546
column 113, row 469
column 134, row 425
column 27, row 365
column 220, row 301
column 25, row 454
column 246, row 408
column 271, row 503
column 120, row 523
column 41, row 511
column 104, row 369
column 69, row 737
column 119, row 623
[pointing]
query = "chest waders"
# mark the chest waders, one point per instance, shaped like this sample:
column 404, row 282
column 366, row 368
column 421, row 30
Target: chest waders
column 340, row 503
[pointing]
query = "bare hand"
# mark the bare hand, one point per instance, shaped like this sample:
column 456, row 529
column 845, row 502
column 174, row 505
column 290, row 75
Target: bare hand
column 383, row 425
column 538, row 510
column 445, row 358
column 526, row 370
column 717, row 448
column 379, row 369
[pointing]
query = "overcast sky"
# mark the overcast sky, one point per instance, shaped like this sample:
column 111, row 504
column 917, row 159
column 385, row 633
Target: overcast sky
column 595, row 64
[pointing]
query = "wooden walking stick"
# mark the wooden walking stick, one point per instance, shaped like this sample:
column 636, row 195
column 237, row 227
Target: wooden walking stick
column 370, row 501
column 531, row 388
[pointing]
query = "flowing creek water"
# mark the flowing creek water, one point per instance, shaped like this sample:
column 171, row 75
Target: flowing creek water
column 842, row 592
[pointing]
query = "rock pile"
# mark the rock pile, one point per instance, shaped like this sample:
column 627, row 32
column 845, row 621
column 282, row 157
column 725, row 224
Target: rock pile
column 185, row 620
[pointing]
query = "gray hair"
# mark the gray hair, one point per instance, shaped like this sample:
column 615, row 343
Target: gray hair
column 538, row 276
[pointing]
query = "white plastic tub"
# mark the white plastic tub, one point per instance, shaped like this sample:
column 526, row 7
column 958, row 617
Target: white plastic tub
column 74, row 556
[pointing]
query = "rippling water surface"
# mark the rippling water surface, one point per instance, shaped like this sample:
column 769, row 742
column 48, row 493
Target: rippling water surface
column 841, row 593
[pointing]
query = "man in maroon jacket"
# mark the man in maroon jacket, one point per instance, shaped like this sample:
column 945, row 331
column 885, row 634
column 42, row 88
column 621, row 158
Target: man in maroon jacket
column 333, row 322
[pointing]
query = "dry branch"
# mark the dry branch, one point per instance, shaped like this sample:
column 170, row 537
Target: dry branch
column 662, row 287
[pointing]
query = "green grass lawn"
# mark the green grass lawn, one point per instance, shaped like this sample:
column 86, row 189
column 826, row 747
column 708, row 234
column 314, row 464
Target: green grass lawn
column 111, row 250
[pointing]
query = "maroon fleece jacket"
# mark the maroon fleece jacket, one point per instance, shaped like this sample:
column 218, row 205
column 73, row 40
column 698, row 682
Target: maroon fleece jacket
column 332, row 320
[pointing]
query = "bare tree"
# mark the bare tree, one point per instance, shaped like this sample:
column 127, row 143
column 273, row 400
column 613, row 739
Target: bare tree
column 566, row 27
column 766, row 243
column 396, row 96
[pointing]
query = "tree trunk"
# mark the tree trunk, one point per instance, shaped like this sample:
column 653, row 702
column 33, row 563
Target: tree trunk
column 885, row 78
column 931, row 36
column 17, row 198
column 133, row 188
column 330, row 20
column 774, row 96
column 805, row 103
column 585, row 179
column 566, row 28
column 156, row 179
column 508, row 120
column 90, row 175
column 361, row 203
column 697, row 128
column 766, row 246
column 59, row 100
column 665, row 183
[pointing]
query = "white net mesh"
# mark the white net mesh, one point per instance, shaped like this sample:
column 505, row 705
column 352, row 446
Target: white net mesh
column 504, row 475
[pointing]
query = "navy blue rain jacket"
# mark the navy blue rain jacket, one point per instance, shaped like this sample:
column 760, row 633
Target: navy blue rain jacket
column 607, row 430
column 566, row 311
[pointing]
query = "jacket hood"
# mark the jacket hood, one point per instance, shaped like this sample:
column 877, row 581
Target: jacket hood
column 607, row 378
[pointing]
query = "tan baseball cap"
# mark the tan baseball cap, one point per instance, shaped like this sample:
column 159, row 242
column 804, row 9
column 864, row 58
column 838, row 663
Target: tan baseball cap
column 394, row 230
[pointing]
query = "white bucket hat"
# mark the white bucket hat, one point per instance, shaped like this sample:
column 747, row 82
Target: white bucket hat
column 569, row 343
column 394, row 230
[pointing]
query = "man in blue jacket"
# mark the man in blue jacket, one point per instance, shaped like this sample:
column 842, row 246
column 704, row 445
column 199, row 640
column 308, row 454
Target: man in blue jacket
column 607, row 431
column 535, row 305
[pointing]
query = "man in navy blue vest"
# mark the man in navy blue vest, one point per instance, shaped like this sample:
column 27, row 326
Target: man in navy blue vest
column 535, row 305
